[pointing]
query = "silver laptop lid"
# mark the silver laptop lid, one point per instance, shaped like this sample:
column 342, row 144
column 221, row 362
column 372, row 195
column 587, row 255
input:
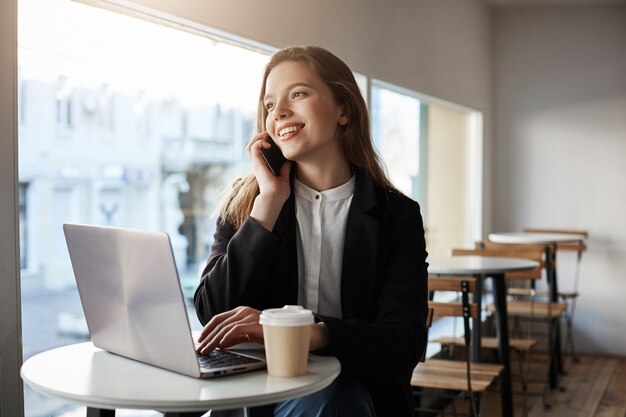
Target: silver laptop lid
column 131, row 295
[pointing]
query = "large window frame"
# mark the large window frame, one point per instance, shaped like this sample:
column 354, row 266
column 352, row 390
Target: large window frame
column 10, row 311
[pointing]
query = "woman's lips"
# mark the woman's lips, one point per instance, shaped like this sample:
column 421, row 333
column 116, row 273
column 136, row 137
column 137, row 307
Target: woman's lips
column 288, row 131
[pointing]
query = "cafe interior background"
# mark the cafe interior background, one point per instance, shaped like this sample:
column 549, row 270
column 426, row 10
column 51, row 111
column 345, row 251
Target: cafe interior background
column 520, row 121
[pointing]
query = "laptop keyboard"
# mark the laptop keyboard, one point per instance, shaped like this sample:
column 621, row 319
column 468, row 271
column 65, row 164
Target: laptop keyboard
column 220, row 359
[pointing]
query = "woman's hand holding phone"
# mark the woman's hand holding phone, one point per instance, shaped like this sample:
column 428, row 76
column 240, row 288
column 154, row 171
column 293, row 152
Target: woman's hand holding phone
column 274, row 189
column 273, row 156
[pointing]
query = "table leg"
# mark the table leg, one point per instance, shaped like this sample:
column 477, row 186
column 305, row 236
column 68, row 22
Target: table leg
column 99, row 412
column 555, row 357
column 502, row 326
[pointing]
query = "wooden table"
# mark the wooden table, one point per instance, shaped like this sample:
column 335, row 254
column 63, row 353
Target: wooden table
column 103, row 381
column 494, row 267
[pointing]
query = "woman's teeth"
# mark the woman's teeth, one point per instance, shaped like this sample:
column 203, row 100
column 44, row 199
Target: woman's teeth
column 289, row 129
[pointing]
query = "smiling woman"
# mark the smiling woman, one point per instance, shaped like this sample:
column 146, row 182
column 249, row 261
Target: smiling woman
column 329, row 233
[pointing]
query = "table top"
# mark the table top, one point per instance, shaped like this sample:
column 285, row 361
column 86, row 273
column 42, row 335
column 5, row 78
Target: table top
column 88, row 375
column 534, row 238
column 470, row 265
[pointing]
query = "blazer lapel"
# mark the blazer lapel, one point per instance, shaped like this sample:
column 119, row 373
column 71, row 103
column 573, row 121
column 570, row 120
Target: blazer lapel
column 285, row 227
column 360, row 251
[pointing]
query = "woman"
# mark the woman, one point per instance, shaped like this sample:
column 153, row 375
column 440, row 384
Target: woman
column 330, row 233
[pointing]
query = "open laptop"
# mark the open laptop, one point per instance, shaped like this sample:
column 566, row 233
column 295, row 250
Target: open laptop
column 133, row 302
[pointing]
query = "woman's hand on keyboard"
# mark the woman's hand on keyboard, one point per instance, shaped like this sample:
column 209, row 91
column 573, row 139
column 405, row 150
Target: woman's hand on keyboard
column 239, row 325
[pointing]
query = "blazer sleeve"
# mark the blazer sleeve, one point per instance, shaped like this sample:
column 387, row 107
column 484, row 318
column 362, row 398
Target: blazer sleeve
column 391, row 345
column 237, row 269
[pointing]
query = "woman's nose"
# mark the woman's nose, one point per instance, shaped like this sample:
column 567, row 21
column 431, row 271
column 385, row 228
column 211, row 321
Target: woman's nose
column 281, row 110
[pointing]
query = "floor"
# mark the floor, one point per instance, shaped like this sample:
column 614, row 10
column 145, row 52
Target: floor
column 593, row 387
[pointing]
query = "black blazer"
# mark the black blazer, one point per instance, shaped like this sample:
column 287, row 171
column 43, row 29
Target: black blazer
column 382, row 333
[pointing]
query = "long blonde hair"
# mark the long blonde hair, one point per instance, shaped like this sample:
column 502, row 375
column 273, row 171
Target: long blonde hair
column 355, row 137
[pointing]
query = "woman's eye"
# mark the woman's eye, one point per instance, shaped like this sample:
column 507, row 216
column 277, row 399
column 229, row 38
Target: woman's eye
column 297, row 94
column 268, row 106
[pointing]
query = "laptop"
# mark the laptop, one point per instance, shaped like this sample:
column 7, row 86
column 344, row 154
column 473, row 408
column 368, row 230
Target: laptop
column 134, row 305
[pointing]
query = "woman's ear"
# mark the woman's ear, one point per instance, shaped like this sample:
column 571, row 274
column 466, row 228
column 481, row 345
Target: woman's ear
column 343, row 117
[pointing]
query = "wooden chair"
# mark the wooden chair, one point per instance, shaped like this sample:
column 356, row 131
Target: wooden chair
column 469, row 379
column 529, row 309
column 568, row 297
column 520, row 345
column 532, row 252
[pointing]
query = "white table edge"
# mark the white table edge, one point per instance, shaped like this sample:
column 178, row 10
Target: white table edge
column 523, row 265
column 534, row 238
column 183, row 406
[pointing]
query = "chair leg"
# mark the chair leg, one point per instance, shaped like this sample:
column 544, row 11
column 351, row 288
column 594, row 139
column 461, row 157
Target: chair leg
column 570, row 341
column 473, row 400
column 481, row 406
column 569, row 319
column 517, row 328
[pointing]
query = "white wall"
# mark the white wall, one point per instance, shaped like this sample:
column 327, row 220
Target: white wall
column 560, row 147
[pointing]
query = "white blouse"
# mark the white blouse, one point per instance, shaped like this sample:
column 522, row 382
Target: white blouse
column 321, row 225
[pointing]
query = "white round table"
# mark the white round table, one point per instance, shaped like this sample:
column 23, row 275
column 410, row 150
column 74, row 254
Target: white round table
column 534, row 238
column 85, row 374
column 494, row 267
column 473, row 265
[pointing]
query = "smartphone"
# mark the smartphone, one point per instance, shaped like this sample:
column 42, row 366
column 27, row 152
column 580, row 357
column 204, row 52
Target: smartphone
column 273, row 156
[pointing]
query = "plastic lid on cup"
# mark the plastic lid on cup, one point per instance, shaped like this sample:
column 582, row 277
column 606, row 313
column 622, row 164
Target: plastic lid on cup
column 286, row 316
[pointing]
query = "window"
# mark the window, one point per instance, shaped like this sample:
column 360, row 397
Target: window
column 432, row 152
column 106, row 109
column 21, row 98
column 142, row 114
column 396, row 129
column 63, row 101
column 152, row 144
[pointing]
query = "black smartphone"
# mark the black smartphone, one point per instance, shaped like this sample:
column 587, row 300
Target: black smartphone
column 273, row 156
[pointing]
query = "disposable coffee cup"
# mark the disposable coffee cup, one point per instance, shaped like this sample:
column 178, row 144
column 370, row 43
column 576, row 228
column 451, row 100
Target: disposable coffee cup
column 286, row 332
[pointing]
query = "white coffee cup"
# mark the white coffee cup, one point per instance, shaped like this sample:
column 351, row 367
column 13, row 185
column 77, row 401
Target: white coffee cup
column 286, row 332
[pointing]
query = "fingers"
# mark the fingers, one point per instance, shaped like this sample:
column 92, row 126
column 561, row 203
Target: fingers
column 257, row 142
column 253, row 150
column 229, row 328
column 214, row 322
column 242, row 333
column 245, row 330
column 206, row 341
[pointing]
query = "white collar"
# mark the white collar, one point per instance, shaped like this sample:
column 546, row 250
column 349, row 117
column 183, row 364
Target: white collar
column 338, row 193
